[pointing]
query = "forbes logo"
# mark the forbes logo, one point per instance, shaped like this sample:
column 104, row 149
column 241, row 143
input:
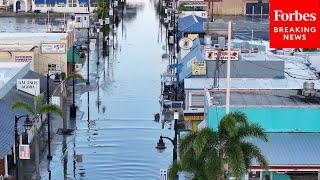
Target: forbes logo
column 279, row 15
column 294, row 24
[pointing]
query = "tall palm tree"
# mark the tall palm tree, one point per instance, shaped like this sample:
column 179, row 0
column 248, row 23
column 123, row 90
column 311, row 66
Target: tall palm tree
column 212, row 154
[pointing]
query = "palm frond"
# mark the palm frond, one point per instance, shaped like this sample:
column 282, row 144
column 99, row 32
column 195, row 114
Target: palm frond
column 24, row 106
column 252, row 130
column 39, row 98
column 50, row 108
column 253, row 152
column 75, row 76
column 173, row 170
column 186, row 142
column 240, row 117
column 235, row 159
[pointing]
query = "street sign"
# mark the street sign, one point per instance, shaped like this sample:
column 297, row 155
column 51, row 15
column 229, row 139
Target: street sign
column 212, row 54
column 30, row 86
column 163, row 174
column 24, row 151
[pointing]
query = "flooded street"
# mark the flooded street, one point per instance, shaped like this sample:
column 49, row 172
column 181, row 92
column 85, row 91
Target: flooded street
column 119, row 138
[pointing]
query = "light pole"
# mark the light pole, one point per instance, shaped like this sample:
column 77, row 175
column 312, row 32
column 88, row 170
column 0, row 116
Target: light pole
column 56, row 79
column 73, row 108
column 161, row 145
column 88, row 47
column 27, row 125
column 98, row 53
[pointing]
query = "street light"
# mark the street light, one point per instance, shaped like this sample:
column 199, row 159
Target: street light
column 73, row 108
column 27, row 124
column 57, row 80
column 161, row 145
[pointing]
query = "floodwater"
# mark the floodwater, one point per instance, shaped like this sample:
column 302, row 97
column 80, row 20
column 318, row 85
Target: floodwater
column 118, row 139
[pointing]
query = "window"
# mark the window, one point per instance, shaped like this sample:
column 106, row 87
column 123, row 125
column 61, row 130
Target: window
column 78, row 19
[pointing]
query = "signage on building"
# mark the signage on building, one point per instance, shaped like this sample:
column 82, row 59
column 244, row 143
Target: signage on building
column 24, row 151
column 55, row 100
column 193, row 116
column 53, row 48
column 23, row 58
column 198, row 68
column 294, row 24
column 30, row 86
column 211, row 54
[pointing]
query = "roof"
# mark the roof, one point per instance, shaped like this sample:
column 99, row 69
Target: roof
column 265, row 98
column 25, row 36
column 16, row 47
column 191, row 23
column 296, row 70
column 7, row 115
column 185, row 64
column 9, row 71
column 290, row 149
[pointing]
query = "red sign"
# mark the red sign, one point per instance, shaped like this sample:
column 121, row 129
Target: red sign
column 294, row 24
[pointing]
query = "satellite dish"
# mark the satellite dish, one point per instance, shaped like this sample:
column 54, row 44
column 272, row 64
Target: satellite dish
column 185, row 43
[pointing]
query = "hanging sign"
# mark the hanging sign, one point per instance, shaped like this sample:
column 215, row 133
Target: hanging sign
column 198, row 68
column 23, row 58
column 30, row 86
column 53, row 48
column 24, row 151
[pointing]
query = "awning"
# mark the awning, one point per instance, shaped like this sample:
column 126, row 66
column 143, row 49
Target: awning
column 294, row 151
column 76, row 56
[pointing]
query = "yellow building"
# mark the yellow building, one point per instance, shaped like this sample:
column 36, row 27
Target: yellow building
column 46, row 52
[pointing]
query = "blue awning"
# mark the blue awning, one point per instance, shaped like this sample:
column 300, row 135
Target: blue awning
column 56, row 1
column 83, row 1
column 39, row 1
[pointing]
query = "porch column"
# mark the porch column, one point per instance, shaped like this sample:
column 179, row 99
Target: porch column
column 6, row 166
column 260, row 175
column 318, row 175
column 271, row 175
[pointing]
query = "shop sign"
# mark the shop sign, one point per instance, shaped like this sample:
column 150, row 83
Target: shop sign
column 193, row 117
column 23, row 58
column 198, row 68
column 30, row 86
column 211, row 54
column 53, row 48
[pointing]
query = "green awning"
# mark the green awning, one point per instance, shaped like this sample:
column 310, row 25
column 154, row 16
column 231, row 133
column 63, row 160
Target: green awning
column 76, row 55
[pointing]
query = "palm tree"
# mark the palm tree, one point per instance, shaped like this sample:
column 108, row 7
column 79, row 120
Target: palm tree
column 36, row 110
column 212, row 154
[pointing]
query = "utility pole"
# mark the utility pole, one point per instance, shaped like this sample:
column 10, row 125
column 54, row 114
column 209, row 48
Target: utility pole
column 88, row 47
column 228, row 70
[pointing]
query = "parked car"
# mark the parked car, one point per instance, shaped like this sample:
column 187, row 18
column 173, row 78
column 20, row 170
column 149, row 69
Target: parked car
column 37, row 11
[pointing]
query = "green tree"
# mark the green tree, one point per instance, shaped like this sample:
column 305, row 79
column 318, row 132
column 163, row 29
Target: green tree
column 103, row 9
column 209, row 154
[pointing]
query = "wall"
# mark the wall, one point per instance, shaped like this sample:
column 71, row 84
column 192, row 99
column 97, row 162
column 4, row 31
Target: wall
column 304, row 119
